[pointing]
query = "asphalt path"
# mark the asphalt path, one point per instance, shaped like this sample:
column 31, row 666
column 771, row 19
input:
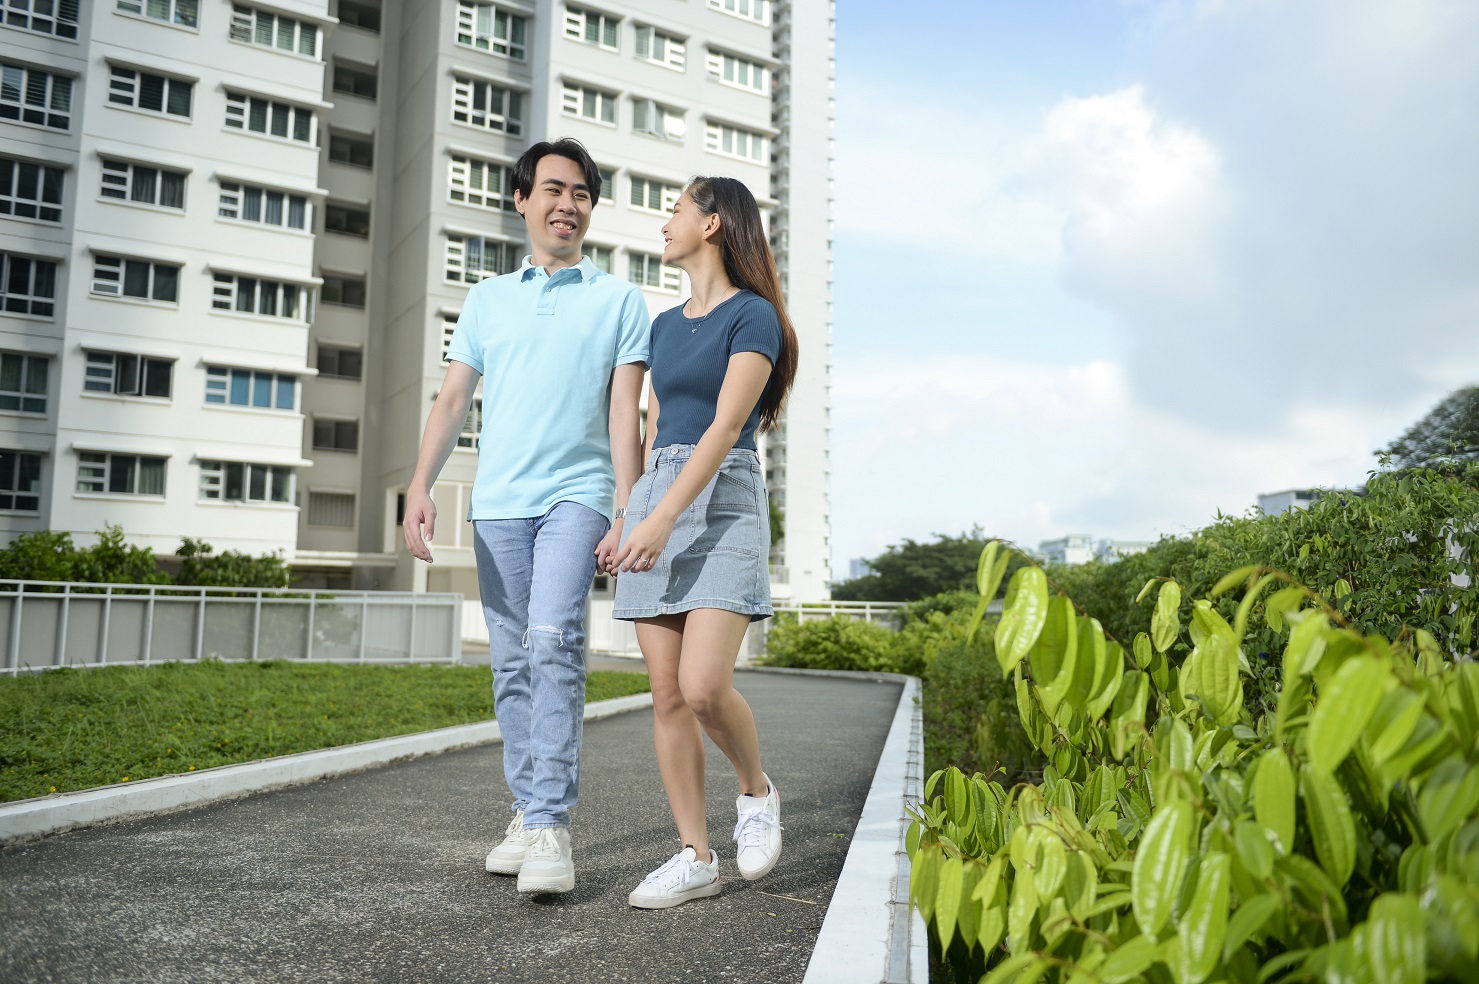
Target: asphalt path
column 378, row 876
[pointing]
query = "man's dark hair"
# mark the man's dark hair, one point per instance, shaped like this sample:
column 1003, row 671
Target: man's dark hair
column 566, row 147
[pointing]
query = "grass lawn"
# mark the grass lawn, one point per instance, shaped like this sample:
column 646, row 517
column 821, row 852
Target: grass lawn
column 69, row 729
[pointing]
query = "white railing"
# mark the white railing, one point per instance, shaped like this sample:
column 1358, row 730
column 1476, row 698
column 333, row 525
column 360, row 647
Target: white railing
column 877, row 612
column 58, row 623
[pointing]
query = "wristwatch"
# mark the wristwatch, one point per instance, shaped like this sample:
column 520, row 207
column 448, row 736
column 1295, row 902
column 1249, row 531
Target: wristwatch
column 621, row 512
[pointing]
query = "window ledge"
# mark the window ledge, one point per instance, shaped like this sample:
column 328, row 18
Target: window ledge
column 142, row 301
column 256, row 411
column 244, row 132
column 296, row 55
column 258, row 318
column 158, row 21
column 154, row 401
column 149, row 206
column 153, row 115
column 246, row 503
column 121, row 497
column 266, row 227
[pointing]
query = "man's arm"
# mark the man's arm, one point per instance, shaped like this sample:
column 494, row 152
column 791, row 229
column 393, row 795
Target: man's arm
column 624, row 422
column 442, row 428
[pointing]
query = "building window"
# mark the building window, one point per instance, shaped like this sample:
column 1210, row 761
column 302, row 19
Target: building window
column 20, row 481
column 273, row 31
column 335, row 435
column 340, row 363
column 247, row 203
column 648, row 270
column 349, row 220
column 589, row 103
column 356, row 151
column 254, row 295
column 486, row 27
column 654, row 196
column 23, row 382
column 150, row 92
column 31, row 96
column 355, row 81
column 731, row 141
column 186, row 13
column 601, row 256
column 331, row 509
column 591, row 26
column 738, row 72
column 660, row 48
column 56, row 17
column 485, row 184
column 657, row 120
column 608, row 184
column 449, row 328
column 239, row 481
column 269, row 118
column 360, row 14
column 345, row 291
column 755, row 10
column 120, row 474
column 116, row 276
column 27, row 286
column 30, row 191
column 474, row 258
column 472, row 426
column 250, row 388
column 486, row 105
column 144, row 185
column 124, row 374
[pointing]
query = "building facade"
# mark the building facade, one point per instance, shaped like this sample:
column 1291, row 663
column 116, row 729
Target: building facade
column 237, row 237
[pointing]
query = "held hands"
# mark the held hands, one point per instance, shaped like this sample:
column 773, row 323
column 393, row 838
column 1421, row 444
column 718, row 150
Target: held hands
column 421, row 514
column 644, row 545
column 606, row 549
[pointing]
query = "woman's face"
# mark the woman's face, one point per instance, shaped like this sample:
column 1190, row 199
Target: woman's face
column 684, row 232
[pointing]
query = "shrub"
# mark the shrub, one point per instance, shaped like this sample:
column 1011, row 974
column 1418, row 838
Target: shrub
column 1177, row 838
column 830, row 644
column 969, row 718
column 51, row 556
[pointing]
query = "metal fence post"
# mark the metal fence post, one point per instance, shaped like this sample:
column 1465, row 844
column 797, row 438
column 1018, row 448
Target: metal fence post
column 106, row 624
column 149, row 628
column 312, row 610
column 364, row 620
column 15, row 630
column 411, row 642
column 59, row 658
column 200, row 627
column 256, row 624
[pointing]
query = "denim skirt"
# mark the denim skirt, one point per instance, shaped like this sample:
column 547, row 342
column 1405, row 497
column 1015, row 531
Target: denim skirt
column 718, row 555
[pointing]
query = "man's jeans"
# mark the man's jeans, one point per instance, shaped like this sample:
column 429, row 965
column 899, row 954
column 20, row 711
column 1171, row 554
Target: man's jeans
column 534, row 576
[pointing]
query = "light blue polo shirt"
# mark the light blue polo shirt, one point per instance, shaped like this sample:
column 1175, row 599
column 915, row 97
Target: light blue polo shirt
column 546, row 347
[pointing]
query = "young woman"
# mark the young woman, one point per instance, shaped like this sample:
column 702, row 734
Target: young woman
column 692, row 565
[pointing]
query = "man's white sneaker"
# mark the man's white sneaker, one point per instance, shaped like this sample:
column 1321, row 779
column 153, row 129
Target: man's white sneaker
column 508, row 857
column 758, row 833
column 680, row 879
column 547, row 863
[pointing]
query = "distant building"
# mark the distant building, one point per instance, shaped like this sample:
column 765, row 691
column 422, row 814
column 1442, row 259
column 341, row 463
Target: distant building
column 858, row 567
column 1108, row 550
column 1075, row 548
column 1274, row 503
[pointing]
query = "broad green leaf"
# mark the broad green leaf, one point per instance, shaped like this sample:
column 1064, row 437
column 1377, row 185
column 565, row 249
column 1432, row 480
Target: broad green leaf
column 1081, row 883
column 1128, row 715
column 993, row 927
column 1130, row 961
column 1253, row 849
column 1142, row 651
column 1343, row 707
column 977, row 616
column 1107, row 684
column 1251, row 916
column 1023, row 613
column 985, row 890
column 969, row 915
column 1021, row 910
column 1054, row 655
column 1088, row 664
column 1245, row 607
column 1395, row 719
column 1165, row 624
column 1279, row 605
column 924, row 880
column 1331, row 826
column 948, row 898
column 1145, row 590
column 1210, row 674
column 984, row 566
column 1160, row 862
column 1052, row 862
column 1231, row 580
column 1203, row 927
column 1306, row 645
column 1392, row 944
column 1448, row 798
column 1273, row 797
column 1319, row 889
column 1009, row 968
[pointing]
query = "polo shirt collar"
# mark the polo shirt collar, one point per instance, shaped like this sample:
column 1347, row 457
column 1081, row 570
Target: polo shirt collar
column 588, row 270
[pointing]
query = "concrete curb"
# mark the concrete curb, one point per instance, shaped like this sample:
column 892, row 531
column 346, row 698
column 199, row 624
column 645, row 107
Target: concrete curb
column 29, row 819
column 871, row 931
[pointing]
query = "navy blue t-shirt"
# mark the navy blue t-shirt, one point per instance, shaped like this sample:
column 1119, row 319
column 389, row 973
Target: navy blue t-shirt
column 691, row 355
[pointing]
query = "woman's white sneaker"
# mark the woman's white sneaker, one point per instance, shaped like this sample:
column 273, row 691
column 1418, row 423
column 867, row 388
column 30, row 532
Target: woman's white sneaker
column 758, row 833
column 508, row 857
column 680, row 879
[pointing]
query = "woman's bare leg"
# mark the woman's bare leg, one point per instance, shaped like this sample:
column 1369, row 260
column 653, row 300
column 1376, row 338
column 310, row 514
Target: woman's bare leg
column 710, row 642
column 675, row 732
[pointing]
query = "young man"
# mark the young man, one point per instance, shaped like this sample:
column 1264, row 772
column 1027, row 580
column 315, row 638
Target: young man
column 562, row 348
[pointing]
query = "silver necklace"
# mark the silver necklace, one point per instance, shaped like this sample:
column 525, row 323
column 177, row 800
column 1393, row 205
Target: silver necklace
column 697, row 324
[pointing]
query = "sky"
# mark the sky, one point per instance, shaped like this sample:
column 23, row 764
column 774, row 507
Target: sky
column 1114, row 266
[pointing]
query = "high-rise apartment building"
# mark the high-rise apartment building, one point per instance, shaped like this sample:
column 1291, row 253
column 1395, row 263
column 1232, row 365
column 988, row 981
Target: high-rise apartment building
column 236, row 237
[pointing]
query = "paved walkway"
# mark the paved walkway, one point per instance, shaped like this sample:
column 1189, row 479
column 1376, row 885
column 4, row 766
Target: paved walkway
column 379, row 876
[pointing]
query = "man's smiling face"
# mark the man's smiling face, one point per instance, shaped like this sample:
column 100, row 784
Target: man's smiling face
column 558, row 209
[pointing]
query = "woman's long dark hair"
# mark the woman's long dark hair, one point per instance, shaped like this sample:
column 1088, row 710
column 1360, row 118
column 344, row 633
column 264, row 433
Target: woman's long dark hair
column 750, row 265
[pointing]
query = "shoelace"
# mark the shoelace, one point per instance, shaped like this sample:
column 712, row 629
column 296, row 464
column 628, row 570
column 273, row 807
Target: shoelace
column 542, row 843
column 750, row 831
column 677, row 871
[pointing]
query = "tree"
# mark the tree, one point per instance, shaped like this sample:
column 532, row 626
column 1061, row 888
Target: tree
column 910, row 571
column 1450, row 432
